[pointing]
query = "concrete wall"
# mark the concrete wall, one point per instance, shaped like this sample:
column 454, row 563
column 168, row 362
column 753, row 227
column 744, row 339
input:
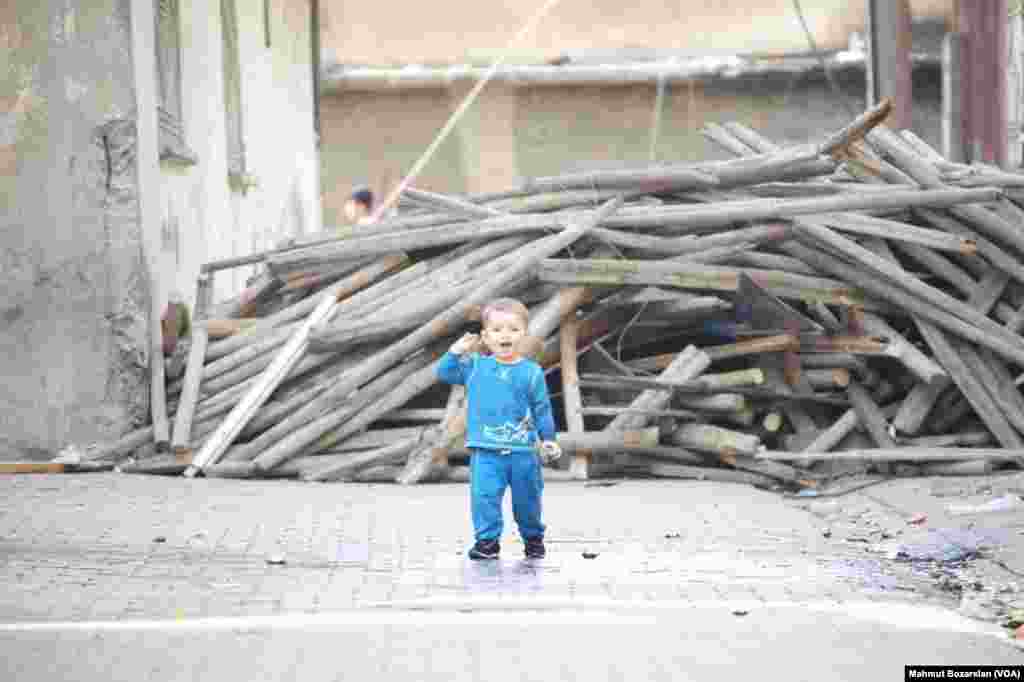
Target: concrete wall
column 94, row 231
column 72, row 317
column 459, row 30
column 510, row 135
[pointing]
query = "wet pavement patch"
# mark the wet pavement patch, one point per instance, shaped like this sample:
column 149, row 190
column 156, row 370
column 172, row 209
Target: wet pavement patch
column 949, row 546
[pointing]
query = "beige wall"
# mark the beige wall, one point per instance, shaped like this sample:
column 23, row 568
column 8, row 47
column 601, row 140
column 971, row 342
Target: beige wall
column 376, row 140
column 447, row 31
column 530, row 132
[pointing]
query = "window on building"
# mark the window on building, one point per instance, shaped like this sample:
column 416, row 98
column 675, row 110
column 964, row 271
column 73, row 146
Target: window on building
column 237, row 171
column 168, row 77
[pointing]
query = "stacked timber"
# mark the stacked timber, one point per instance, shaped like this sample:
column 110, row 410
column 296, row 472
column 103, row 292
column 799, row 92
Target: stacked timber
column 779, row 319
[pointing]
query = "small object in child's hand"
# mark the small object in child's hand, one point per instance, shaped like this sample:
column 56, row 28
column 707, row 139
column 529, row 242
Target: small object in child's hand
column 550, row 451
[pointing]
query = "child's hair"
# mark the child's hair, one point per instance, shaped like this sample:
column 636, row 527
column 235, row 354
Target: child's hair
column 505, row 305
column 363, row 195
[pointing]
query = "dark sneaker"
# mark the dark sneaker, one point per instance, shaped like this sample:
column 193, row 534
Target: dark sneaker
column 485, row 549
column 535, row 548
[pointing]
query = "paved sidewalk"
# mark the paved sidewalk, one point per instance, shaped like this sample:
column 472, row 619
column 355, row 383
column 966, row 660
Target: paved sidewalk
column 113, row 546
column 182, row 569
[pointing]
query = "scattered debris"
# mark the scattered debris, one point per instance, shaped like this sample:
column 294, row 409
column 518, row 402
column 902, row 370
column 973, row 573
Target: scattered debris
column 1008, row 502
column 917, row 519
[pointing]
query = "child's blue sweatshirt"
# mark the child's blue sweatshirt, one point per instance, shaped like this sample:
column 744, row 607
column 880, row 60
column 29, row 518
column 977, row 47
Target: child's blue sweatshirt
column 501, row 399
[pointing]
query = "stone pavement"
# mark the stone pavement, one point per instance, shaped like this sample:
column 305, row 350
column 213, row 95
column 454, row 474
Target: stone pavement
column 108, row 548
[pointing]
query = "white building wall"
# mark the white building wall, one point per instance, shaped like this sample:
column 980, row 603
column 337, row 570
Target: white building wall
column 204, row 217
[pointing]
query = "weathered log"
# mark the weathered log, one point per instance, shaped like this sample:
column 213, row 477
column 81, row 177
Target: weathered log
column 753, row 392
column 991, row 251
column 772, row 261
column 453, row 203
column 389, row 324
column 422, row 414
column 603, row 442
column 223, row 328
column 689, row 220
column 694, row 276
column 270, row 449
column 973, row 468
column 395, row 453
column 896, row 231
column 193, row 369
column 917, row 405
column 275, row 411
column 725, row 443
column 443, row 324
column 357, row 289
column 933, row 313
column 718, row 134
column 852, row 363
column 923, row 367
column 950, row 355
column 157, row 383
column 372, row 439
column 571, row 400
column 894, row 275
column 666, row 453
column 978, row 438
column 869, row 416
column 611, row 411
column 232, row 425
column 453, row 267
column 827, row 379
column 951, row 408
column 122, row 447
column 988, row 292
column 908, row 161
column 414, row 240
column 948, row 271
column 780, row 472
column 710, row 474
column 901, row 454
column 721, row 403
column 997, row 382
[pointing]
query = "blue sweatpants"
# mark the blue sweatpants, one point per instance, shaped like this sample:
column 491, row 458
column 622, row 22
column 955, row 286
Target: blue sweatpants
column 490, row 472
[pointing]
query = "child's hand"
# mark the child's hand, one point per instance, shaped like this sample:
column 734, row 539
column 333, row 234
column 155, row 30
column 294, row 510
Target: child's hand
column 467, row 344
column 550, row 451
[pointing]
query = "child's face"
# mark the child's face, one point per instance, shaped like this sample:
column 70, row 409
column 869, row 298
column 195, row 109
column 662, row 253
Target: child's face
column 503, row 333
column 355, row 210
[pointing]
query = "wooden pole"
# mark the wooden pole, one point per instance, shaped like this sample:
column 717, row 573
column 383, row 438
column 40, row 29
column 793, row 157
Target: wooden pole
column 685, row 275
column 442, row 325
column 572, row 402
column 899, row 454
column 923, row 308
column 229, row 429
column 193, row 369
column 950, row 355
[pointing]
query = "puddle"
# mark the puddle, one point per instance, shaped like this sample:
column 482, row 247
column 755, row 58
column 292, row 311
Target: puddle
column 570, row 570
column 352, row 553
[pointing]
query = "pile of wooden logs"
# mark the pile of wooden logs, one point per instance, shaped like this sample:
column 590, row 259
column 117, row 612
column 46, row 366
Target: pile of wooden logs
column 782, row 318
